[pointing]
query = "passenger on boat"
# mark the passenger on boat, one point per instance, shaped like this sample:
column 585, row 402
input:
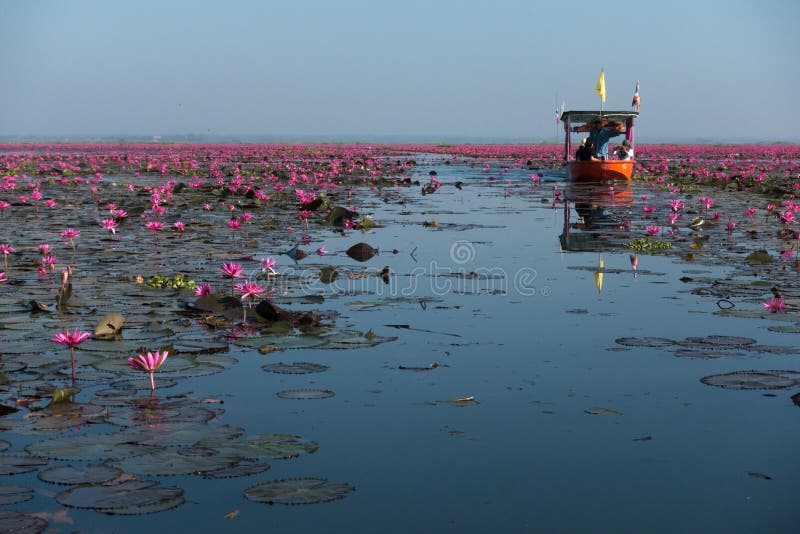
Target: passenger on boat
column 601, row 133
column 624, row 151
column 586, row 151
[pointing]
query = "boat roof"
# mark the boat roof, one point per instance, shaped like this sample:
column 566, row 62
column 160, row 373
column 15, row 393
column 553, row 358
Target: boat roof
column 590, row 116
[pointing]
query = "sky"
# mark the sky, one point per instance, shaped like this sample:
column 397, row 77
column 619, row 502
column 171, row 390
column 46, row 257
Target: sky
column 413, row 70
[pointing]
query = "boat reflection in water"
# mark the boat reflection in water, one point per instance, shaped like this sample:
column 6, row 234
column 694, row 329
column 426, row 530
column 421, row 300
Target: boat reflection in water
column 597, row 217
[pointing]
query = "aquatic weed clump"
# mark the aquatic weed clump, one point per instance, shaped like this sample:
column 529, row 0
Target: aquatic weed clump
column 648, row 245
column 176, row 281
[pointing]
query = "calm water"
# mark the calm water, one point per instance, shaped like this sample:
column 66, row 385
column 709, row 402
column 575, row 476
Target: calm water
column 528, row 335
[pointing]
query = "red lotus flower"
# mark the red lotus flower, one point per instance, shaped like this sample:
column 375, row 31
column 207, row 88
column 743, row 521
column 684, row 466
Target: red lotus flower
column 149, row 363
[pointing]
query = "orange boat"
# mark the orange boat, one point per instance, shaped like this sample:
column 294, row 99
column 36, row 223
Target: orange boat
column 608, row 169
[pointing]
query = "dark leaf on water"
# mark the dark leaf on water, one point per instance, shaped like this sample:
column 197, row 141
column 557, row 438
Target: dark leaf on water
column 13, row 464
column 361, row 252
column 14, row 494
column 796, row 399
column 762, row 476
column 128, row 497
column 242, row 468
column 109, row 327
column 295, row 368
column 602, row 411
column 753, row 380
column 645, row 341
column 11, row 521
column 90, row 474
column 297, row 491
column 304, row 394
column 328, row 274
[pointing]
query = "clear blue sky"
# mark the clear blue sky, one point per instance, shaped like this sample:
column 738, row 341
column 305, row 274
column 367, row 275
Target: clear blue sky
column 717, row 69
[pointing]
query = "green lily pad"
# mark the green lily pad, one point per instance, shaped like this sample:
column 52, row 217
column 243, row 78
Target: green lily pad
column 14, row 464
column 69, row 475
column 275, row 446
column 176, row 434
column 243, row 468
column 14, row 494
column 128, row 497
column 11, row 521
column 297, row 491
column 177, row 461
column 89, row 447
column 753, row 380
column 305, row 394
column 296, row 368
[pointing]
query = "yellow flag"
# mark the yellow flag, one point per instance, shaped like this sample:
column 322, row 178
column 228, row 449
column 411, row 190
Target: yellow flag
column 601, row 86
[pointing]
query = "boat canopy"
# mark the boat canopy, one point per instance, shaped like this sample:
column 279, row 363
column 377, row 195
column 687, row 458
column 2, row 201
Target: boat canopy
column 576, row 117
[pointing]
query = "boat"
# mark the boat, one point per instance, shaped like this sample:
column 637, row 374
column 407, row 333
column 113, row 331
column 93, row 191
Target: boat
column 609, row 169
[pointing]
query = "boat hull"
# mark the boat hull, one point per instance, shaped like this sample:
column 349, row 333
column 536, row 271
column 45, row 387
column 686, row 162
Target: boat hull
column 600, row 170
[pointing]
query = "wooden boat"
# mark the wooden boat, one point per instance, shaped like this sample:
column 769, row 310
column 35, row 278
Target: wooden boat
column 608, row 169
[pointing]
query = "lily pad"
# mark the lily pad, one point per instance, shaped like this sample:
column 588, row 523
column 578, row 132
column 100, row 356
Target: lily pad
column 128, row 497
column 602, row 411
column 11, row 521
column 242, row 468
column 176, row 461
column 14, row 494
column 304, row 394
column 654, row 342
column 706, row 354
column 753, row 380
column 14, row 464
column 69, row 475
column 275, row 446
column 296, row 368
column 361, row 252
column 718, row 341
column 91, row 447
column 297, row 491
column 109, row 327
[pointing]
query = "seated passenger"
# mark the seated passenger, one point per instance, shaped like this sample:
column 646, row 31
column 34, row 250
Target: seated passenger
column 624, row 151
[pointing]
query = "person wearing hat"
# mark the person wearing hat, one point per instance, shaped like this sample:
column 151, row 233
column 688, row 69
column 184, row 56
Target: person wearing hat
column 601, row 133
column 624, row 151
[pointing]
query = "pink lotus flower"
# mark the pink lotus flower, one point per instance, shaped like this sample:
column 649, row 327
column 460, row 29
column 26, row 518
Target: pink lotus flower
column 231, row 270
column 179, row 226
column 731, row 225
column 268, row 265
column 149, row 363
column 349, row 224
column 44, row 248
column 71, row 340
column 234, row 224
column 203, row 290
column 673, row 218
column 775, row 305
column 707, row 202
column 676, row 205
column 110, row 225
column 787, row 216
column 5, row 250
column 652, row 230
column 3, row 277
column 321, row 251
column 250, row 290
column 749, row 212
column 71, row 234
column 649, row 208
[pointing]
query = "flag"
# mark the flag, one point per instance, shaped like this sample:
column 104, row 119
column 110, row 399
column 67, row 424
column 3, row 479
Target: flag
column 601, row 86
column 558, row 116
column 636, row 101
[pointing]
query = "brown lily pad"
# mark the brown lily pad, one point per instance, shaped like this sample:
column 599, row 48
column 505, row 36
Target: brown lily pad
column 753, row 380
column 297, row 491
column 361, row 252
